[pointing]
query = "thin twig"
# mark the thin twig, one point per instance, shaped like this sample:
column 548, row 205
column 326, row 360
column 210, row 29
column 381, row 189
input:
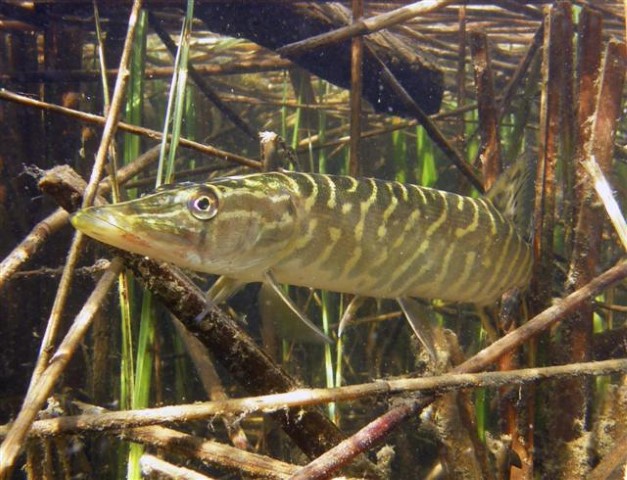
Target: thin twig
column 152, row 467
column 521, row 69
column 434, row 132
column 614, row 461
column 25, row 250
column 210, row 380
column 460, row 77
column 126, row 127
column 98, row 267
column 188, row 446
column 356, row 87
column 304, row 146
column 604, row 191
column 251, row 465
column 14, row 440
column 364, row 27
column 238, row 66
column 316, row 396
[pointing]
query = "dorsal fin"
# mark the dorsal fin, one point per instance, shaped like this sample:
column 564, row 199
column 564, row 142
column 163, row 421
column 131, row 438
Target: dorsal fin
column 164, row 187
column 512, row 194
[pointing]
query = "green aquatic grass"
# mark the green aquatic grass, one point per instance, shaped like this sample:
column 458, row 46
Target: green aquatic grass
column 177, row 104
column 133, row 112
column 297, row 119
column 599, row 325
column 473, row 142
column 134, row 107
column 328, row 300
column 426, row 172
column 399, row 155
column 329, row 312
column 284, row 97
column 143, row 376
column 323, row 88
column 481, row 412
column 513, row 136
column 132, row 148
column 176, row 100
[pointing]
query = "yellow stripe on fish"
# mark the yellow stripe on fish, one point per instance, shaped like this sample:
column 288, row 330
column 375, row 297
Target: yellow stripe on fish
column 363, row 236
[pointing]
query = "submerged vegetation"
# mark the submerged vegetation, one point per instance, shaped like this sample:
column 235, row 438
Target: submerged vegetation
column 105, row 355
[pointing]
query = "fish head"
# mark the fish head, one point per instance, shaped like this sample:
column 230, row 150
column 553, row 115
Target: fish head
column 232, row 226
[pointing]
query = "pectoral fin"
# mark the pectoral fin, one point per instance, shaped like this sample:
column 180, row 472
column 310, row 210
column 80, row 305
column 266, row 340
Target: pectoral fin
column 224, row 288
column 419, row 323
column 271, row 281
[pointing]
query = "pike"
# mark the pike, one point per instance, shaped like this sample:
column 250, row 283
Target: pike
column 367, row 237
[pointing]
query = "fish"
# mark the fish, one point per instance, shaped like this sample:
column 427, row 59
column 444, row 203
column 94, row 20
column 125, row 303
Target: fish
column 362, row 236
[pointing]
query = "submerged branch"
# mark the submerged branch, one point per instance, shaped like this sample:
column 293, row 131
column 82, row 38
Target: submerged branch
column 316, row 396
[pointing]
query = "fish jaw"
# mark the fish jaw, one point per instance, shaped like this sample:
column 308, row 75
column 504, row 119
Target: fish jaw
column 98, row 224
column 111, row 226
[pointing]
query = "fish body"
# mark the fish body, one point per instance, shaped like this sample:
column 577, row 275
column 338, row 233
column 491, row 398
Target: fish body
column 366, row 236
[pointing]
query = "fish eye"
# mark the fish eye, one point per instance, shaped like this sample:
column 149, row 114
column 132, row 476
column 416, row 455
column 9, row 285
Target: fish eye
column 203, row 205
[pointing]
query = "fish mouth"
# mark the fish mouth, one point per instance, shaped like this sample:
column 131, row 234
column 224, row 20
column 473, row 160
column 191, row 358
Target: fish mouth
column 113, row 230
